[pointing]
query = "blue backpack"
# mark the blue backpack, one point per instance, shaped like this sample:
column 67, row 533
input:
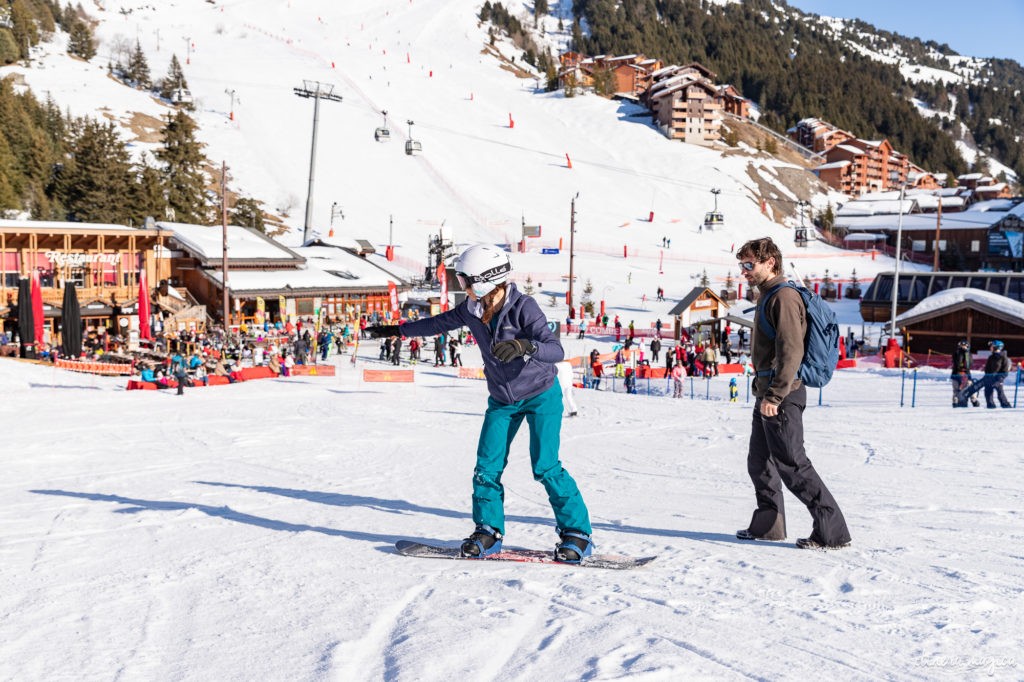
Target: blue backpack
column 821, row 346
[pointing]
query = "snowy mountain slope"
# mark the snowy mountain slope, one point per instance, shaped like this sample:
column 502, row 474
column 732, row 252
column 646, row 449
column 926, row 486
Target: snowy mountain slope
column 422, row 61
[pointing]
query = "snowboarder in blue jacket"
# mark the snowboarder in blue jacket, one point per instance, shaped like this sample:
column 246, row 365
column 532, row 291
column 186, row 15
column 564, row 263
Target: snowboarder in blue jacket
column 519, row 352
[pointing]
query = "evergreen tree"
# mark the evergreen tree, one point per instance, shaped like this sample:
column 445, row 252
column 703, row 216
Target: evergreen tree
column 81, row 42
column 96, row 184
column 148, row 192
column 182, row 158
column 137, row 71
column 528, row 288
column 540, row 8
column 248, row 213
column 8, row 170
column 24, row 29
column 9, row 52
column 175, row 79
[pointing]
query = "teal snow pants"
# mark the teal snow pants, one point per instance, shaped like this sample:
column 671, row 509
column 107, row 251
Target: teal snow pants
column 543, row 413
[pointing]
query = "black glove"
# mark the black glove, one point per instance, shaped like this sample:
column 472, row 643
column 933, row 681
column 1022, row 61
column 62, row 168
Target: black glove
column 381, row 331
column 506, row 351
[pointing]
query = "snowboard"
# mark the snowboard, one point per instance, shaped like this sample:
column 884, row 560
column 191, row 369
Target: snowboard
column 531, row 556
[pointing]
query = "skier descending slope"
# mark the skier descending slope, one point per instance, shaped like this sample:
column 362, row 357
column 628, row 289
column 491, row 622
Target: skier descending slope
column 519, row 353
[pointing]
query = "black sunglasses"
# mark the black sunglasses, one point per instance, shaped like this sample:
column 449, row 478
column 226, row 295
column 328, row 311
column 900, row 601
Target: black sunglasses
column 747, row 265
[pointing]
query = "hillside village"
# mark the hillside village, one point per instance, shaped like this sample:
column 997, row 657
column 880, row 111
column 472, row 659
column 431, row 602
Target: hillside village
column 684, row 104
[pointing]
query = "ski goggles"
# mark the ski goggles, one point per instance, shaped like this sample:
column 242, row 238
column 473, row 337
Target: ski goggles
column 466, row 281
column 481, row 284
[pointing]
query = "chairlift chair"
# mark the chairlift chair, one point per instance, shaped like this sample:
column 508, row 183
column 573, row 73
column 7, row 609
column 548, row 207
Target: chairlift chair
column 412, row 145
column 382, row 134
column 713, row 219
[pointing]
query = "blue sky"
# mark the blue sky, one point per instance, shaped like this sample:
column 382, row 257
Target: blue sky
column 994, row 28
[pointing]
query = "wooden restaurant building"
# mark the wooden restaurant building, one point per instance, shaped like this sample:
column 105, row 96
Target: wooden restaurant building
column 267, row 280
column 104, row 262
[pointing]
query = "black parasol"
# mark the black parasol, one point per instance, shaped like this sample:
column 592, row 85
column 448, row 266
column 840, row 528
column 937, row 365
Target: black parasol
column 71, row 323
column 26, row 326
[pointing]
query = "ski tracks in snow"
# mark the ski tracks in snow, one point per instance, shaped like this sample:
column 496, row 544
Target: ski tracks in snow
column 371, row 651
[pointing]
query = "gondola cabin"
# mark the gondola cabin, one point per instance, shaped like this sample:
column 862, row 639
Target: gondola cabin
column 382, row 134
column 412, row 146
column 713, row 220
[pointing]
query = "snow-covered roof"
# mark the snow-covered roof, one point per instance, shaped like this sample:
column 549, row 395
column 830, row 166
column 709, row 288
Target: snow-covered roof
column 969, row 176
column 671, row 82
column 834, row 164
column 931, row 202
column 998, row 187
column 929, row 307
column 663, row 70
column 996, row 206
column 891, row 207
column 850, row 148
column 918, row 222
column 243, row 243
column 53, row 224
column 326, row 267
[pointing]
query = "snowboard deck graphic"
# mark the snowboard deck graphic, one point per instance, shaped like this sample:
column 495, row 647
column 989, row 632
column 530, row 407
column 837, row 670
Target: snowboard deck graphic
column 533, row 556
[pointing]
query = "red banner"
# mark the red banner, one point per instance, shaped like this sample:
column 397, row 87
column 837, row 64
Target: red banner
column 442, row 276
column 396, row 312
column 389, row 375
column 37, row 309
column 144, row 328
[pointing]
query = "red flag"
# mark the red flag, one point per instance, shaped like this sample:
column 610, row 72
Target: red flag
column 396, row 313
column 442, row 277
column 37, row 310
column 144, row 332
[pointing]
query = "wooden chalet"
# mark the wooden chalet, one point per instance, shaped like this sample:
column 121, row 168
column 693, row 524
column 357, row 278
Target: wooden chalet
column 701, row 304
column 940, row 321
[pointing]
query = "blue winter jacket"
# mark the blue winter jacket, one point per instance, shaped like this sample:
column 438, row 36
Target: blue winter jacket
column 520, row 318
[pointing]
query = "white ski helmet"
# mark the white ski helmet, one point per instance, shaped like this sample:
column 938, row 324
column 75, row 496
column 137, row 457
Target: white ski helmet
column 482, row 267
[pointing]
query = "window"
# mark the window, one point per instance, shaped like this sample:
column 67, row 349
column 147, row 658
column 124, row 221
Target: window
column 938, row 284
column 918, row 245
column 918, row 289
column 997, row 284
column 975, row 245
column 1016, row 288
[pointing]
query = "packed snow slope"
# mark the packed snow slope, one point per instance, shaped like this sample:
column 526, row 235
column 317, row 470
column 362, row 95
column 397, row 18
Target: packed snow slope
column 496, row 148
column 246, row 532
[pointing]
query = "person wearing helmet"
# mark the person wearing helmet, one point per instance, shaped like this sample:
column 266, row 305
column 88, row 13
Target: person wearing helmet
column 997, row 367
column 519, row 352
column 961, row 372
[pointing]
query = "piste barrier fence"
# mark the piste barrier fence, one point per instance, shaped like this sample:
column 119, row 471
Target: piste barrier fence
column 914, row 389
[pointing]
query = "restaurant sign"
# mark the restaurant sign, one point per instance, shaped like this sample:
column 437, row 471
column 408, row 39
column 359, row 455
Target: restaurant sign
column 77, row 260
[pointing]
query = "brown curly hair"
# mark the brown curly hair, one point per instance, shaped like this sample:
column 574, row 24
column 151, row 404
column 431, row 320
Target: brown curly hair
column 761, row 250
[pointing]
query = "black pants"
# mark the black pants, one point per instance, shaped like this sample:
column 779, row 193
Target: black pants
column 993, row 387
column 777, row 457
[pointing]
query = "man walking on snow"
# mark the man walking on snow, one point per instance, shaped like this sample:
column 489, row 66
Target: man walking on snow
column 776, row 454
